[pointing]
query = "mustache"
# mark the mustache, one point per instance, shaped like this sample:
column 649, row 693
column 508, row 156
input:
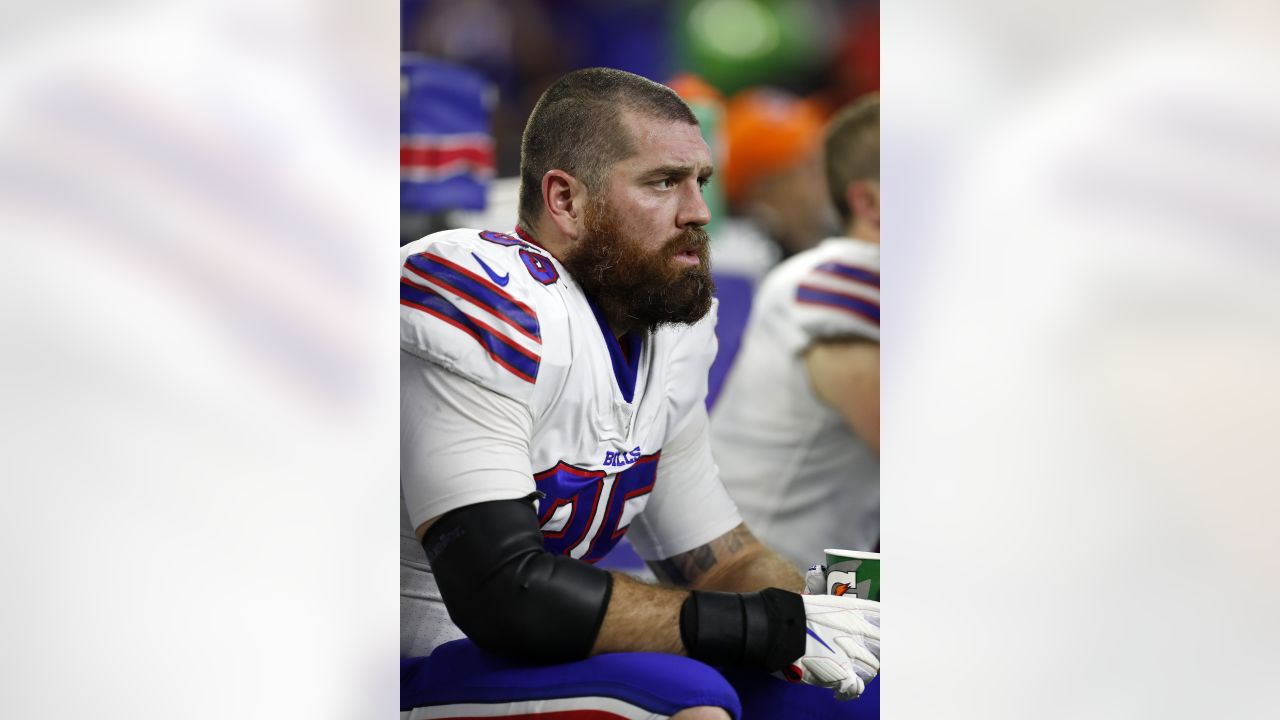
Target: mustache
column 691, row 240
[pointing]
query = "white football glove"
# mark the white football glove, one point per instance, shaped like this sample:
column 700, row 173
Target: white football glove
column 842, row 647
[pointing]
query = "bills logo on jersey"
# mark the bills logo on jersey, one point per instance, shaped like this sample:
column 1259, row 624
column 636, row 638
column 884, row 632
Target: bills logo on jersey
column 621, row 458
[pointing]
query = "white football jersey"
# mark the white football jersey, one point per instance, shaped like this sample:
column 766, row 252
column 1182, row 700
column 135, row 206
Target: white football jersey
column 513, row 387
column 800, row 476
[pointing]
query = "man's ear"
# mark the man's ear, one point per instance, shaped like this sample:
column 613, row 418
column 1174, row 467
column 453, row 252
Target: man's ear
column 564, row 198
column 864, row 200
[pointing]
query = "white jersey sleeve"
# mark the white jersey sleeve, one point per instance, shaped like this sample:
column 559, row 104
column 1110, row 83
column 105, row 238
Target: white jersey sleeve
column 460, row 443
column 474, row 316
column 838, row 298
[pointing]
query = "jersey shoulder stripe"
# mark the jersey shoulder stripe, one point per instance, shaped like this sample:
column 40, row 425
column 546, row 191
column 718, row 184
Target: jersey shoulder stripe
column 510, row 355
column 850, row 272
column 862, row 307
column 468, row 305
column 481, row 291
column 833, row 290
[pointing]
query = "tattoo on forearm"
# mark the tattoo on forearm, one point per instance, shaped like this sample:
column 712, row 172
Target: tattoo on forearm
column 688, row 568
column 735, row 539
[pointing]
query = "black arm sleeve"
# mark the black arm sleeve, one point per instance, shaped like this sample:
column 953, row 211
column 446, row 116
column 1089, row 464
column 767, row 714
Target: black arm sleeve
column 507, row 593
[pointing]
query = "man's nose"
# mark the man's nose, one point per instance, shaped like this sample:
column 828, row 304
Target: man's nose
column 693, row 207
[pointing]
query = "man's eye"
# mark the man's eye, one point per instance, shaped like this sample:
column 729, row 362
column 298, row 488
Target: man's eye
column 665, row 184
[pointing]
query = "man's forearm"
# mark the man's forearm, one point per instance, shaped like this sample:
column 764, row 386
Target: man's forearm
column 757, row 570
column 733, row 562
column 757, row 629
column 641, row 618
column 646, row 618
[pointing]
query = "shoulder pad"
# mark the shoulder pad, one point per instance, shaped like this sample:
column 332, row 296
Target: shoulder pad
column 469, row 302
column 836, row 298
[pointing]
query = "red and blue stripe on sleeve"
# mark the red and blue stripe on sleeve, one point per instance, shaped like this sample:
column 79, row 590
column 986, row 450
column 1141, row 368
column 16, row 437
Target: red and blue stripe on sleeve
column 506, row 328
column 846, row 288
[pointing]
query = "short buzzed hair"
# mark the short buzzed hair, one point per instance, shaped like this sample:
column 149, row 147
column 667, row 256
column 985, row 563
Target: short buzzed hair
column 853, row 150
column 577, row 127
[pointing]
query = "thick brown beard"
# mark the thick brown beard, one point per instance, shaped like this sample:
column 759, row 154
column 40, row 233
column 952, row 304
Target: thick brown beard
column 636, row 288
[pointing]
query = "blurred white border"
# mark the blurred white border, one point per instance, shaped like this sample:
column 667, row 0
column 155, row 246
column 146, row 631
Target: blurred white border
column 1080, row 341
column 199, row 376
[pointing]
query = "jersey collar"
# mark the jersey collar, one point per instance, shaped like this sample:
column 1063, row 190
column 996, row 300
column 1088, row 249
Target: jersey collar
column 626, row 365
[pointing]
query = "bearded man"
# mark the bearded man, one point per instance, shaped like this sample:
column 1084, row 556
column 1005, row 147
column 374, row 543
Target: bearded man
column 553, row 387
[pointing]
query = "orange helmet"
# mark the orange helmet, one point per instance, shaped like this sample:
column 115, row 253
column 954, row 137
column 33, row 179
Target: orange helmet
column 768, row 131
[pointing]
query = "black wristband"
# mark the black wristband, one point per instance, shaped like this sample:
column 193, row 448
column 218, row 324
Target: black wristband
column 764, row 629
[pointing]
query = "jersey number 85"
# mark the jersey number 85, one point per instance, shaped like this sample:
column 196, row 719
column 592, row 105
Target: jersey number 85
column 586, row 512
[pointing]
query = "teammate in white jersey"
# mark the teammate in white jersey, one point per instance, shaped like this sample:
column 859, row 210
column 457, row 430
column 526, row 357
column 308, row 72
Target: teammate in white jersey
column 553, row 390
column 796, row 432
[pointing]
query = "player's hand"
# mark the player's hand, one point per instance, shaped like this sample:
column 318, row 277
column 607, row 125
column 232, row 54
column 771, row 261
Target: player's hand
column 815, row 580
column 842, row 649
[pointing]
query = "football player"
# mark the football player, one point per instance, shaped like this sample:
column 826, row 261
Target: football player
column 553, row 386
column 796, row 431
